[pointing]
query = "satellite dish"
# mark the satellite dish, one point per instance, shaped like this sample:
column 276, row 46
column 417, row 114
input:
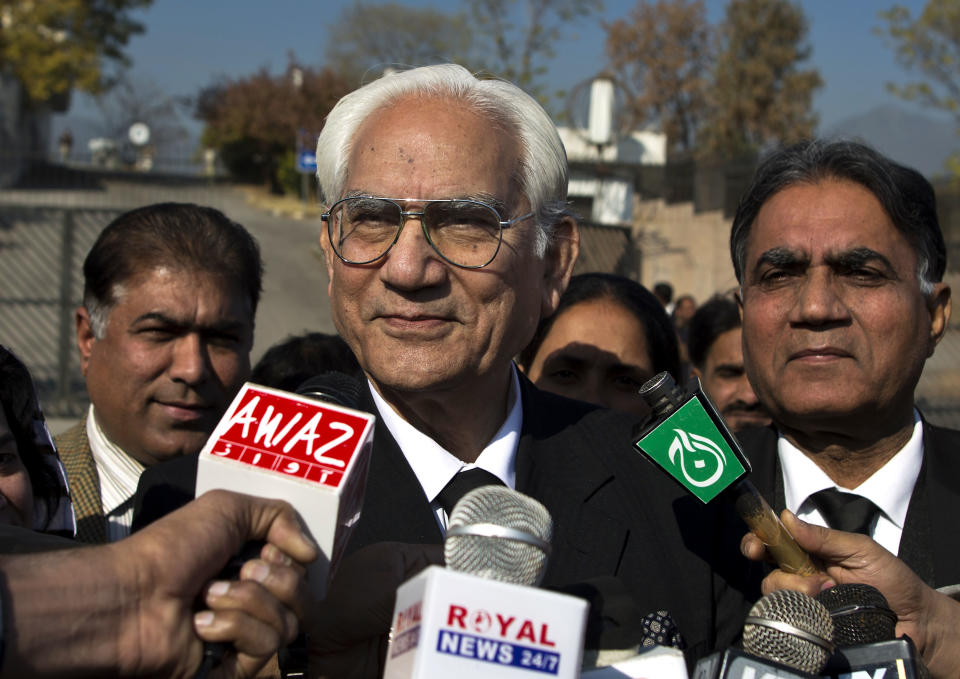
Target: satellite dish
column 139, row 134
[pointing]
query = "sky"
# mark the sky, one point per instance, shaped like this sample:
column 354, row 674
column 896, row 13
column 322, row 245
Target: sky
column 188, row 43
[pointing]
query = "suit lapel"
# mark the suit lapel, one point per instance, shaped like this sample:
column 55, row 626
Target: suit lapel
column 931, row 542
column 74, row 450
column 576, row 494
column 394, row 506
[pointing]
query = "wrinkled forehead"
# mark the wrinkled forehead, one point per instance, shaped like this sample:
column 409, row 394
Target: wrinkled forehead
column 824, row 220
column 431, row 147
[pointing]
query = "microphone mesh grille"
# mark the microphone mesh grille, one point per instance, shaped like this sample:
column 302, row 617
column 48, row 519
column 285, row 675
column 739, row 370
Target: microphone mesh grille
column 796, row 609
column 499, row 558
column 876, row 622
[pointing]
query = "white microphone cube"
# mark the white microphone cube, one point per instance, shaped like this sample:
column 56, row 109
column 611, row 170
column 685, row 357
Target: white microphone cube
column 313, row 454
column 452, row 624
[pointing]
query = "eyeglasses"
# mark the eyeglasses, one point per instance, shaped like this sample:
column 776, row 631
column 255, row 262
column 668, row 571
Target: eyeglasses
column 466, row 233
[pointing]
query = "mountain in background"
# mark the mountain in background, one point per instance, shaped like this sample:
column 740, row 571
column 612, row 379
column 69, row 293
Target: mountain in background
column 914, row 139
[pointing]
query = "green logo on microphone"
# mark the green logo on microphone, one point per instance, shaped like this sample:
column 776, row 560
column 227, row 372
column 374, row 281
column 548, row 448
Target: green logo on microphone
column 689, row 446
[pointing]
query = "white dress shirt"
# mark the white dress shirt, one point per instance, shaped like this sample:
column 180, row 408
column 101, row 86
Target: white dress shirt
column 119, row 474
column 889, row 488
column 434, row 466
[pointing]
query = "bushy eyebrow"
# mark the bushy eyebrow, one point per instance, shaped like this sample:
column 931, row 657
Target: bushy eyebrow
column 781, row 257
column 856, row 257
column 222, row 326
column 846, row 259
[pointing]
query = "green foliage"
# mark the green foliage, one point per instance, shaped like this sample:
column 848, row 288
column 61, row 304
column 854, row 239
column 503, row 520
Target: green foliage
column 661, row 55
column 930, row 45
column 288, row 177
column 254, row 121
column 760, row 96
column 53, row 46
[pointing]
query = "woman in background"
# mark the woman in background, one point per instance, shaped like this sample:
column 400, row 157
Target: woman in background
column 608, row 336
column 33, row 486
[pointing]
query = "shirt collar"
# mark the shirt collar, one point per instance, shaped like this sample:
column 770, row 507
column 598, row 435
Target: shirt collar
column 890, row 487
column 119, row 473
column 434, row 466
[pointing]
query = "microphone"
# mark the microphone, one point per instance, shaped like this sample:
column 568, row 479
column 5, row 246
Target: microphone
column 688, row 439
column 787, row 635
column 481, row 616
column 313, row 454
column 333, row 387
column 865, row 635
column 499, row 534
column 861, row 614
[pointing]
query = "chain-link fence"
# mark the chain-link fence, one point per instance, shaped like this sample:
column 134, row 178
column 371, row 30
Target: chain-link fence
column 41, row 257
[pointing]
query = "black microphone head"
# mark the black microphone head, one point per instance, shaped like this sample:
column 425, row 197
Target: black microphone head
column 790, row 628
column 334, row 387
column 499, row 534
column 861, row 614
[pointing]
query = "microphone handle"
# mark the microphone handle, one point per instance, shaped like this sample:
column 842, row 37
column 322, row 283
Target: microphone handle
column 763, row 522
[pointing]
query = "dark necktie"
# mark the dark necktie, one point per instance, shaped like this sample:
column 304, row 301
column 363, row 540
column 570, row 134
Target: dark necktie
column 845, row 511
column 462, row 483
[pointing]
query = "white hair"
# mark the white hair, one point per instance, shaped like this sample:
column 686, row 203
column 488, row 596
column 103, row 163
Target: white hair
column 542, row 175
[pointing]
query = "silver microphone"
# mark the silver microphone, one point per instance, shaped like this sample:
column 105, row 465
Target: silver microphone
column 499, row 534
column 790, row 628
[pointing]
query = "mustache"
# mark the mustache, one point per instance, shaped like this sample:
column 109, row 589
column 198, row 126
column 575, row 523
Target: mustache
column 744, row 407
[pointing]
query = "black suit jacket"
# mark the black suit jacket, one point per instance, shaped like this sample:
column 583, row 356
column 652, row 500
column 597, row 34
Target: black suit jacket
column 930, row 544
column 614, row 514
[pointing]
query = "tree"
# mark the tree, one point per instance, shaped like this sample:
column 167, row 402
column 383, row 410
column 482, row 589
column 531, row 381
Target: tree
column 254, row 121
column 760, row 96
column 522, row 46
column 661, row 56
column 53, row 46
column 370, row 37
column 929, row 44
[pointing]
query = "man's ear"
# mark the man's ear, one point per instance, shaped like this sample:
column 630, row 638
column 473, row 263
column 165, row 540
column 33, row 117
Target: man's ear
column 85, row 337
column 939, row 304
column 560, row 258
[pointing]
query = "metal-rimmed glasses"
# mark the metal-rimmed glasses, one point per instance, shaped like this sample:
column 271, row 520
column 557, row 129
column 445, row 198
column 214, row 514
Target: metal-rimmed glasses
column 464, row 232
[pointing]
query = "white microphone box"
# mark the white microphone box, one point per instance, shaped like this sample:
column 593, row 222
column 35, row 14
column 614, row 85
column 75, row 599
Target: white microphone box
column 452, row 624
column 313, row 454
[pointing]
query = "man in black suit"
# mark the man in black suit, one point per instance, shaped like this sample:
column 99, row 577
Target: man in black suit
column 435, row 310
column 840, row 260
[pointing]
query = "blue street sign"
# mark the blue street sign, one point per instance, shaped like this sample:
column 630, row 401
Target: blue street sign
column 306, row 161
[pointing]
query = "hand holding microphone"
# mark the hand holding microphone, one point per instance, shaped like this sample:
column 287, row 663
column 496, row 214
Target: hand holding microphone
column 689, row 440
column 925, row 615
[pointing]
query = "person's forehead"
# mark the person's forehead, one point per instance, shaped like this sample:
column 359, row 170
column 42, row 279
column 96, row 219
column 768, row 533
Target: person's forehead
column 440, row 145
column 823, row 218
column 726, row 348
column 158, row 287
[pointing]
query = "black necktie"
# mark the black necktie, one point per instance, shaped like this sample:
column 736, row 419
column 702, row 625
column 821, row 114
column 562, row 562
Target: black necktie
column 462, row 483
column 845, row 511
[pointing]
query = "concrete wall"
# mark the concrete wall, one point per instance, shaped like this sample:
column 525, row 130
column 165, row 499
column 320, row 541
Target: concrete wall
column 688, row 250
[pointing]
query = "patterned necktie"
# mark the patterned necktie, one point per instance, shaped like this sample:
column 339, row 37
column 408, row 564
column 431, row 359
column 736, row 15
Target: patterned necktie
column 462, row 483
column 845, row 511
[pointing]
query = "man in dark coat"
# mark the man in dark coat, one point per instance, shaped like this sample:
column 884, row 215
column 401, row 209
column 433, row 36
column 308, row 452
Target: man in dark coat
column 840, row 260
